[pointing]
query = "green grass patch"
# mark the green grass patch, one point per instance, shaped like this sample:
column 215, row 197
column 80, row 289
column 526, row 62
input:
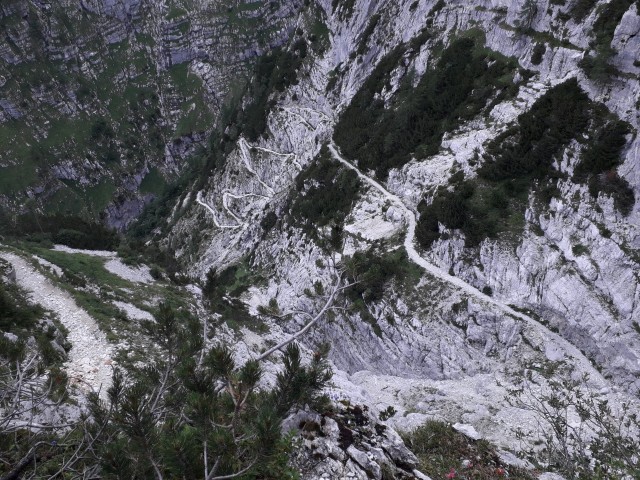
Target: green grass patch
column 89, row 267
column 195, row 116
column 66, row 130
column 153, row 182
column 66, row 201
column 75, row 200
column 64, row 138
column 16, row 178
column 194, row 120
column 100, row 195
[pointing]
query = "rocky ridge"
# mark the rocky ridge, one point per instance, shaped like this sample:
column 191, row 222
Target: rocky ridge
column 349, row 443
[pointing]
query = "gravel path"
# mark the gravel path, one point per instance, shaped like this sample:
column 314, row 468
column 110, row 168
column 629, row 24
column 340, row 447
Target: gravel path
column 89, row 361
column 550, row 338
column 213, row 213
column 244, row 150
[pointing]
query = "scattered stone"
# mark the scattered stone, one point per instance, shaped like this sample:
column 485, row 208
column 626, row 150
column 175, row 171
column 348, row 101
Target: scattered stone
column 509, row 458
column 551, row 476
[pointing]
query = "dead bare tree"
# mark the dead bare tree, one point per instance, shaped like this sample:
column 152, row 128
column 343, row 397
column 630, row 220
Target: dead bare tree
column 339, row 286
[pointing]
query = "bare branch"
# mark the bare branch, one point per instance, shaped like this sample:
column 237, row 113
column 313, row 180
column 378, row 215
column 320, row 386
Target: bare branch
column 234, row 475
column 311, row 323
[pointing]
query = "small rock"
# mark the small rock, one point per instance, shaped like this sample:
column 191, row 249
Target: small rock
column 331, row 428
column 468, row 430
column 419, row 475
column 365, row 462
column 397, row 450
column 550, row 476
column 510, row 459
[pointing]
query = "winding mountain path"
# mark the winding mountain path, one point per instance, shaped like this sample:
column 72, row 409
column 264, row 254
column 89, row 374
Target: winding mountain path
column 213, row 213
column 89, row 360
column 409, row 245
column 226, row 194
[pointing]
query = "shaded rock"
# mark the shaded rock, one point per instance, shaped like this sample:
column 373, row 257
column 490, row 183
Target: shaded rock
column 348, row 443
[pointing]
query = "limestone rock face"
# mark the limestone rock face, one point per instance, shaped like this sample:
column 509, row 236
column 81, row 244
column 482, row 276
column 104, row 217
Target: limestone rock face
column 467, row 323
column 563, row 290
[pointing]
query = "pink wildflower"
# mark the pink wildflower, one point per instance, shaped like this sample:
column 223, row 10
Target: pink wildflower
column 451, row 474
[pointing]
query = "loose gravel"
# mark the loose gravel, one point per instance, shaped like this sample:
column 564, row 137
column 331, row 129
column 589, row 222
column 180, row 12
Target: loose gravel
column 89, row 361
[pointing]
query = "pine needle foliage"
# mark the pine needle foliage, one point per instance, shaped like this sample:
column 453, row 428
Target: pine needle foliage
column 382, row 134
column 198, row 413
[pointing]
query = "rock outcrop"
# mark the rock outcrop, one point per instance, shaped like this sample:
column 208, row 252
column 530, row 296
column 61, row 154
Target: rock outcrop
column 349, row 443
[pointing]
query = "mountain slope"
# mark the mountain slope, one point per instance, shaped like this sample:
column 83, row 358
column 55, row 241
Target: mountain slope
column 469, row 168
column 102, row 101
column 565, row 258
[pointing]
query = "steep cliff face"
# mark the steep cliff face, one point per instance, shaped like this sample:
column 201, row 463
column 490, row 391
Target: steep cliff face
column 465, row 314
column 102, row 101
